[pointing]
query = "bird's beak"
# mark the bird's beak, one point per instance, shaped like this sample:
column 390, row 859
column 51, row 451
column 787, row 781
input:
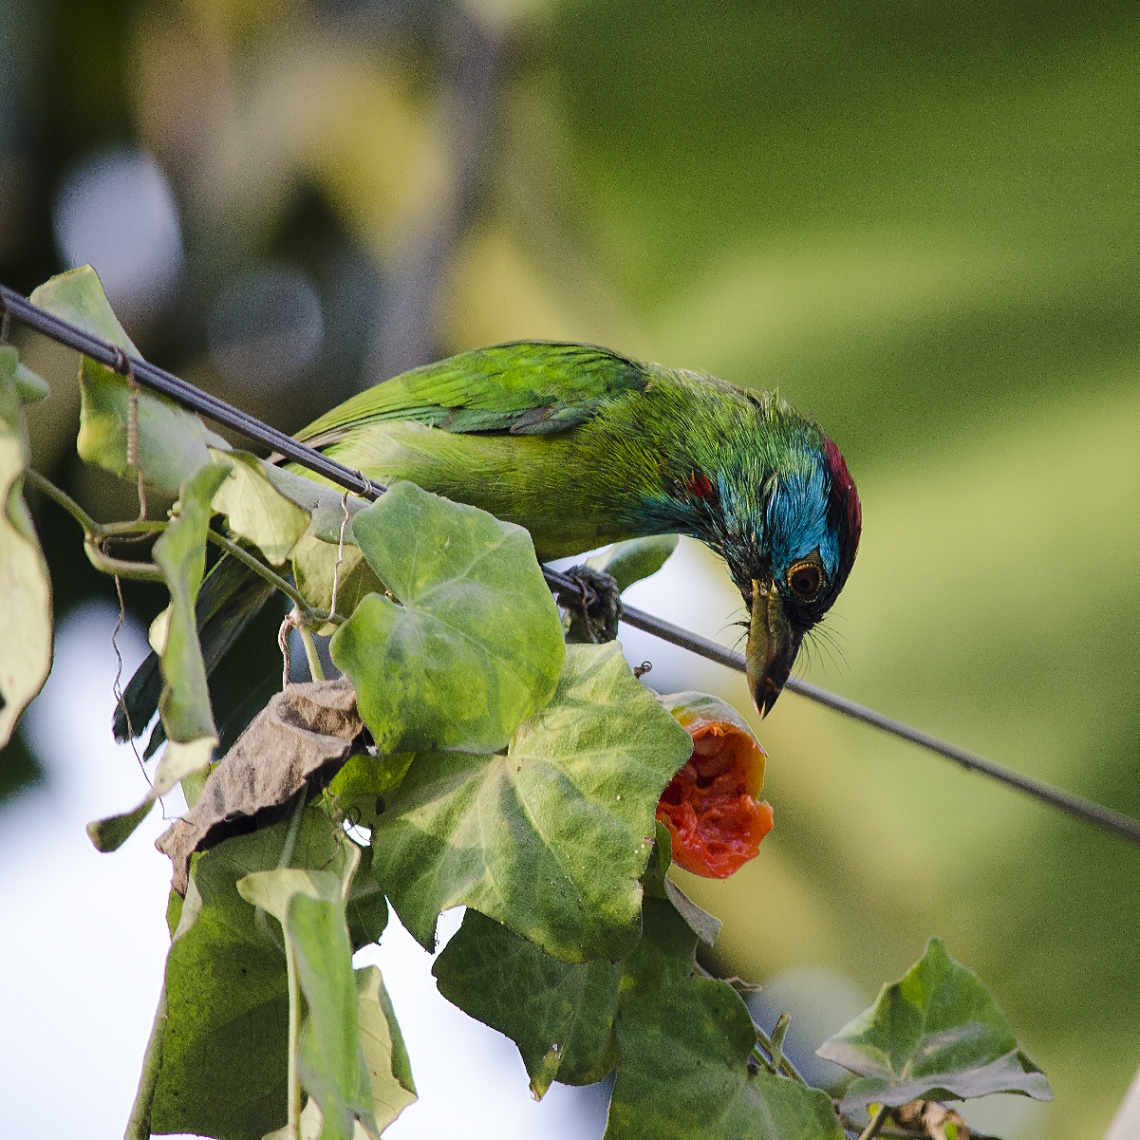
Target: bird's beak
column 772, row 646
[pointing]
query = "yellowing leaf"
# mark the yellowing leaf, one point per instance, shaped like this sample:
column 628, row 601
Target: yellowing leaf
column 25, row 588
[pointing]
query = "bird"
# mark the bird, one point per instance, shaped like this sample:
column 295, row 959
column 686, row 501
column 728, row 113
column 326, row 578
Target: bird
column 584, row 446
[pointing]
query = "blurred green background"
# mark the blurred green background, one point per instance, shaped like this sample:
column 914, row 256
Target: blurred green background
column 920, row 221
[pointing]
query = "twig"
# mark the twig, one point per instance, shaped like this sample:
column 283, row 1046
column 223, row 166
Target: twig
column 875, row 1127
column 273, row 578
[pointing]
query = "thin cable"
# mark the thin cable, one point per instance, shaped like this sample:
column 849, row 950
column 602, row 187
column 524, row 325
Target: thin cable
column 190, row 397
column 166, row 384
column 1103, row 817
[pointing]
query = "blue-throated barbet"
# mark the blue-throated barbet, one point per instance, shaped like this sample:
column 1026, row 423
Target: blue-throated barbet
column 584, row 447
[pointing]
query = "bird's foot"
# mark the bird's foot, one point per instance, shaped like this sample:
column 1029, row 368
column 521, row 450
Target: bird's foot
column 594, row 616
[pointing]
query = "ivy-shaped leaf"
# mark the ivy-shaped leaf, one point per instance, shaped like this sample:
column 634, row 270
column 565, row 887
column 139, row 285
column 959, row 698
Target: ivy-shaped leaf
column 224, row 1053
column 25, row 616
column 172, row 443
column 559, row 1014
column 550, row 838
column 474, row 645
column 936, row 1034
column 680, row 1043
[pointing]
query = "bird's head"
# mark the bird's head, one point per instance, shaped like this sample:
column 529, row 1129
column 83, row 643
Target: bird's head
column 786, row 517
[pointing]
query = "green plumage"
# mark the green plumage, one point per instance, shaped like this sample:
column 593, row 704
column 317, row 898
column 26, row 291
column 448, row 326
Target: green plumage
column 580, row 445
column 584, row 447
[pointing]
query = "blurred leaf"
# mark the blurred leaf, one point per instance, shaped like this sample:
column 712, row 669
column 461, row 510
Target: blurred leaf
column 630, row 561
column 475, row 644
column 30, row 387
column 224, row 1056
column 550, row 838
column 25, row 616
column 77, row 297
column 172, row 443
column 255, row 510
column 179, row 762
column 936, row 1034
column 310, row 907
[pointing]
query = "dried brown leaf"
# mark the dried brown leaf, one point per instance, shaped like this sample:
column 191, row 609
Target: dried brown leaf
column 305, row 732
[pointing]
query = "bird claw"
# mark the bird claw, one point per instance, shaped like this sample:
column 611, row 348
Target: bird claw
column 594, row 615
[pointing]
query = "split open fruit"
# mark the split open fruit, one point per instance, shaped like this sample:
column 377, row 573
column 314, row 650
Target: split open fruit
column 710, row 806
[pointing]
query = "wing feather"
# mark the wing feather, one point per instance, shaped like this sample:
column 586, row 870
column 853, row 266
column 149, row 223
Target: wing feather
column 524, row 388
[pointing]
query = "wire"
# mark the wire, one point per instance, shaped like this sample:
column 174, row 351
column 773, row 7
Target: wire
column 166, row 384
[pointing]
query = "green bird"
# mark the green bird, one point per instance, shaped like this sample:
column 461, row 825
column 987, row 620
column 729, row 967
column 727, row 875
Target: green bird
column 584, row 446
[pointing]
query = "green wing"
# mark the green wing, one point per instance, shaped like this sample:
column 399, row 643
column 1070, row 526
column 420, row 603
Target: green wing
column 524, row 388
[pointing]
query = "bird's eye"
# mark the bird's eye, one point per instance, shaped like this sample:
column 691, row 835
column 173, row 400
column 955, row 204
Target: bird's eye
column 805, row 580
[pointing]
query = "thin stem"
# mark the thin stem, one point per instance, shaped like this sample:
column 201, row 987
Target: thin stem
column 876, row 1126
column 294, row 1039
column 316, row 669
column 294, row 1099
column 274, row 579
column 121, row 567
column 785, row 1066
column 62, row 499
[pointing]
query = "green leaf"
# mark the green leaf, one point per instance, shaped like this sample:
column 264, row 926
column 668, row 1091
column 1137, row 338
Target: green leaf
column 935, row 1034
column 325, row 505
column 330, row 1061
column 559, row 1014
column 172, row 443
column 181, row 555
column 255, row 510
column 224, row 1057
column 314, row 567
column 25, row 615
column 637, row 558
column 185, row 701
column 683, row 1048
column 366, row 908
column 658, row 885
column 385, row 1054
column 551, row 837
column 310, row 907
column 475, row 644
column 680, row 1043
column 358, row 790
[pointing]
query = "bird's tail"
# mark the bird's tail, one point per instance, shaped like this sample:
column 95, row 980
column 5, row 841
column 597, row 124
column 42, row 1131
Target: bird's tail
column 230, row 597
